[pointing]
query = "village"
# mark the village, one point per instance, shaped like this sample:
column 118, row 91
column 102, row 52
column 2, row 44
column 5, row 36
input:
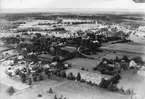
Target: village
column 61, row 57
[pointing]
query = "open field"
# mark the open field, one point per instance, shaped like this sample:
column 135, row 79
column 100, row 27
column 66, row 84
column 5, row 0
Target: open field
column 85, row 91
column 83, row 62
column 125, row 48
column 133, row 81
column 3, row 93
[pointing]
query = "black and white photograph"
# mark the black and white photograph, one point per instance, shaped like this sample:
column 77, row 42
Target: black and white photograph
column 72, row 49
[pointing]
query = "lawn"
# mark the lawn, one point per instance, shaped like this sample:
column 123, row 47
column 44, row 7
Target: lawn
column 83, row 63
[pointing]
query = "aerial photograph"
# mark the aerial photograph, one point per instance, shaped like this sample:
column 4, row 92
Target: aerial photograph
column 72, row 49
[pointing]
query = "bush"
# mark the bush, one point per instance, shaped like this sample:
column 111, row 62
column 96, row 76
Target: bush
column 128, row 91
column 78, row 77
column 82, row 68
column 10, row 90
column 83, row 80
column 39, row 95
column 112, row 87
column 10, row 74
column 95, row 68
column 121, row 90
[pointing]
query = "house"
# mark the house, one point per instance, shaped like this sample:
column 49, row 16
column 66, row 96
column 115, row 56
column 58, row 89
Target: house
column 124, row 65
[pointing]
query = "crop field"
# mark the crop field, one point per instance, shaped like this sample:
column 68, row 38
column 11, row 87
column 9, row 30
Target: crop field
column 125, row 48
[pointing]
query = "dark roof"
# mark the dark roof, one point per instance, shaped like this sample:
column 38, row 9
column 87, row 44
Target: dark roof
column 69, row 49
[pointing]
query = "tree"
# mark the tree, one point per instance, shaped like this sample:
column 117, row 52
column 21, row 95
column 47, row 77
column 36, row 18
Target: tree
column 115, row 79
column 116, row 59
column 104, row 83
column 82, row 68
column 58, row 73
column 29, row 81
column 63, row 74
column 125, row 58
column 70, row 76
column 78, row 77
column 56, row 59
column 10, row 90
column 50, row 90
column 55, row 97
column 138, row 60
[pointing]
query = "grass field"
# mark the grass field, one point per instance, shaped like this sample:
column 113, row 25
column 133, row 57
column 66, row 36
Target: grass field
column 125, row 48
column 83, row 63
column 134, row 81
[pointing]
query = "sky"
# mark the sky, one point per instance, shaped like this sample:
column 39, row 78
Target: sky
column 44, row 5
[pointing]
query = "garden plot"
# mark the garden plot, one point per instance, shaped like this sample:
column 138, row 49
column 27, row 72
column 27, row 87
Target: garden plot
column 89, row 76
column 125, row 48
column 83, row 63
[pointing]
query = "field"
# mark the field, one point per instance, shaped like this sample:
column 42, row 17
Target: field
column 89, row 76
column 84, row 91
column 125, row 48
column 83, row 63
column 133, row 81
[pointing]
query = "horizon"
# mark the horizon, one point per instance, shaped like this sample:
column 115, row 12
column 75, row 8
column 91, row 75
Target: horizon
column 73, row 10
column 24, row 6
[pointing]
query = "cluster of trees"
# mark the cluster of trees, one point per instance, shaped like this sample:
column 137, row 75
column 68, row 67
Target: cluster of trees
column 110, row 83
column 83, row 22
column 11, row 40
column 38, row 29
column 69, row 76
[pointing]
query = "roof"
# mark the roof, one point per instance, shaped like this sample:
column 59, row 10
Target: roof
column 69, row 49
column 132, row 63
